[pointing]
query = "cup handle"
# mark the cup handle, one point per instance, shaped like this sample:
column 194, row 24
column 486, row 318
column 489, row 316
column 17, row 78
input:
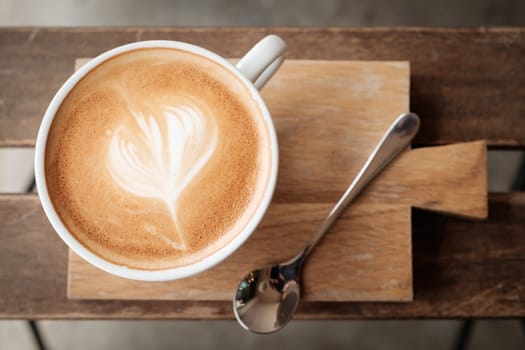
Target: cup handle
column 262, row 61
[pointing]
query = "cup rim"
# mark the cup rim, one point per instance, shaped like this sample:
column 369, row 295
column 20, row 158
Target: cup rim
column 133, row 273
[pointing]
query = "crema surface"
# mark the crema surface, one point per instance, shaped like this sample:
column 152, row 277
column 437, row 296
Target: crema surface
column 157, row 158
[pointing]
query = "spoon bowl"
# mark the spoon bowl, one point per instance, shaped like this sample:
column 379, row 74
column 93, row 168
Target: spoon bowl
column 266, row 299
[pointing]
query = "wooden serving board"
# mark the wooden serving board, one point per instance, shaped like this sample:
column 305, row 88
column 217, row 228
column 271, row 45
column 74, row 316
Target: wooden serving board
column 329, row 115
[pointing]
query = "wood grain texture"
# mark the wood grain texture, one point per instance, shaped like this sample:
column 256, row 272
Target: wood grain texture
column 462, row 268
column 467, row 84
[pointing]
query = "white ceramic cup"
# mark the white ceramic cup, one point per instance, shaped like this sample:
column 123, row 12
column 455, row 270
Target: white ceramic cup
column 254, row 70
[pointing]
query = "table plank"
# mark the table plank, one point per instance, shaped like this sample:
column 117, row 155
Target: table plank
column 467, row 84
column 462, row 268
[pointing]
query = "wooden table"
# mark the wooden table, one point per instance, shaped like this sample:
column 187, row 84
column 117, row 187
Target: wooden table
column 467, row 84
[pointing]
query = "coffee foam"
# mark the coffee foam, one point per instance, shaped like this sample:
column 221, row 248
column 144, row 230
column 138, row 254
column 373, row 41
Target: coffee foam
column 157, row 158
column 149, row 164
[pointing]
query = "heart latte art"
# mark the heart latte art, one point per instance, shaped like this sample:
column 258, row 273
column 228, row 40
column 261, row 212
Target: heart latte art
column 150, row 164
column 157, row 158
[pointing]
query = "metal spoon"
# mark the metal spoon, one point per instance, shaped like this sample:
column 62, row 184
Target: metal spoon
column 267, row 298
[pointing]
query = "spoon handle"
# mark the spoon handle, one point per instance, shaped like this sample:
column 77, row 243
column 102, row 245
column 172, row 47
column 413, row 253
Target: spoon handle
column 396, row 139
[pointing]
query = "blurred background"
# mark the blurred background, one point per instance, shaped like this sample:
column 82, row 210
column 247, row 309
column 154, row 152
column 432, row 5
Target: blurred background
column 16, row 172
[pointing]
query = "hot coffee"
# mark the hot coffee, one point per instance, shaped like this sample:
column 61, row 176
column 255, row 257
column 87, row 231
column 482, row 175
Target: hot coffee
column 157, row 158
